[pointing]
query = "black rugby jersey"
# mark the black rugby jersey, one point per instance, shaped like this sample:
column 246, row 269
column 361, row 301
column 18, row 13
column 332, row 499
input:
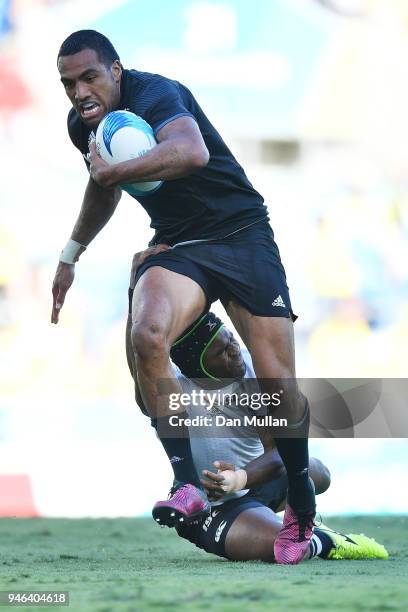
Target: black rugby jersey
column 209, row 203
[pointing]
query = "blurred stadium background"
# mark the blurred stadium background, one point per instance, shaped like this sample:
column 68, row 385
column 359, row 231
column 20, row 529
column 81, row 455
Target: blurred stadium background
column 312, row 97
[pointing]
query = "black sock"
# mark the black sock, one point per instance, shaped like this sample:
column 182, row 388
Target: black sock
column 326, row 542
column 178, row 449
column 294, row 453
column 295, row 457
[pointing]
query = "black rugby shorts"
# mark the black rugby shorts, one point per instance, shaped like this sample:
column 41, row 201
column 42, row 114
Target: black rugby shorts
column 210, row 535
column 244, row 268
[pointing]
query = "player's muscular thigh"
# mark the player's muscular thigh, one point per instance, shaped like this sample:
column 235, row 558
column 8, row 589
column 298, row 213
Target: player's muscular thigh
column 165, row 304
column 269, row 340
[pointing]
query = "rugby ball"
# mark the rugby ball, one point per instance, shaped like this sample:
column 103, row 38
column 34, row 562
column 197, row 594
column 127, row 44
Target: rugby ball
column 121, row 136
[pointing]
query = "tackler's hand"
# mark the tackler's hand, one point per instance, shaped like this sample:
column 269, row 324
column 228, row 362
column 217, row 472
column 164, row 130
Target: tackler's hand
column 153, row 250
column 227, row 479
column 139, row 258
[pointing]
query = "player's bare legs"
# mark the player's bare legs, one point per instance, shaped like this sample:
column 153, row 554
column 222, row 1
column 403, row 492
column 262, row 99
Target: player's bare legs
column 252, row 535
column 164, row 305
column 270, row 341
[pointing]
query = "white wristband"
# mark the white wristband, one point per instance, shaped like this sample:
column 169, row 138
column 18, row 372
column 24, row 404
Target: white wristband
column 241, row 480
column 233, row 480
column 71, row 252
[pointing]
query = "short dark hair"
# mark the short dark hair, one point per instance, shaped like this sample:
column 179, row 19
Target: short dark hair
column 89, row 39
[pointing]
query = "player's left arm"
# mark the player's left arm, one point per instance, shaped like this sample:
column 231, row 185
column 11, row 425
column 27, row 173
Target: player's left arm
column 180, row 151
column 265, row 468
column 229, row 480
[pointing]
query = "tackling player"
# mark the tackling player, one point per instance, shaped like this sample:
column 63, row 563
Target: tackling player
column 250, row 484
column 226, row 251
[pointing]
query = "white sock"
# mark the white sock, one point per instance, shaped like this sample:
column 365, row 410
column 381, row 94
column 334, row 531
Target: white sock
column 316, row 546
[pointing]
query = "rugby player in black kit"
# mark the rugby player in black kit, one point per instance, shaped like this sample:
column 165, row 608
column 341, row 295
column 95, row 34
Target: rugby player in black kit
column 222, row 247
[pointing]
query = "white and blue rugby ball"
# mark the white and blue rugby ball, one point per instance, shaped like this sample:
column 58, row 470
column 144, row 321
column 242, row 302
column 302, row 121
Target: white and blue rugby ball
column 121, row 136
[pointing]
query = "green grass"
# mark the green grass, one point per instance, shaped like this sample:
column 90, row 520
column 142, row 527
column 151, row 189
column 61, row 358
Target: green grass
column 131, row 564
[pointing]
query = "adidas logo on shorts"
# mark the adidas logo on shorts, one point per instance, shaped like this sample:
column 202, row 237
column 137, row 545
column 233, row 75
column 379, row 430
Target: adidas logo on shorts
column 279, row 302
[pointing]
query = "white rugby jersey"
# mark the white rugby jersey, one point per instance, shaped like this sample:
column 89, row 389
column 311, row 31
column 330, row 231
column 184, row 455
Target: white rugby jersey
column 215, row 436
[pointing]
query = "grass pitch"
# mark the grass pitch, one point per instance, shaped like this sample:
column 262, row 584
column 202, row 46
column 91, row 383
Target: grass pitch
column 133, row 565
